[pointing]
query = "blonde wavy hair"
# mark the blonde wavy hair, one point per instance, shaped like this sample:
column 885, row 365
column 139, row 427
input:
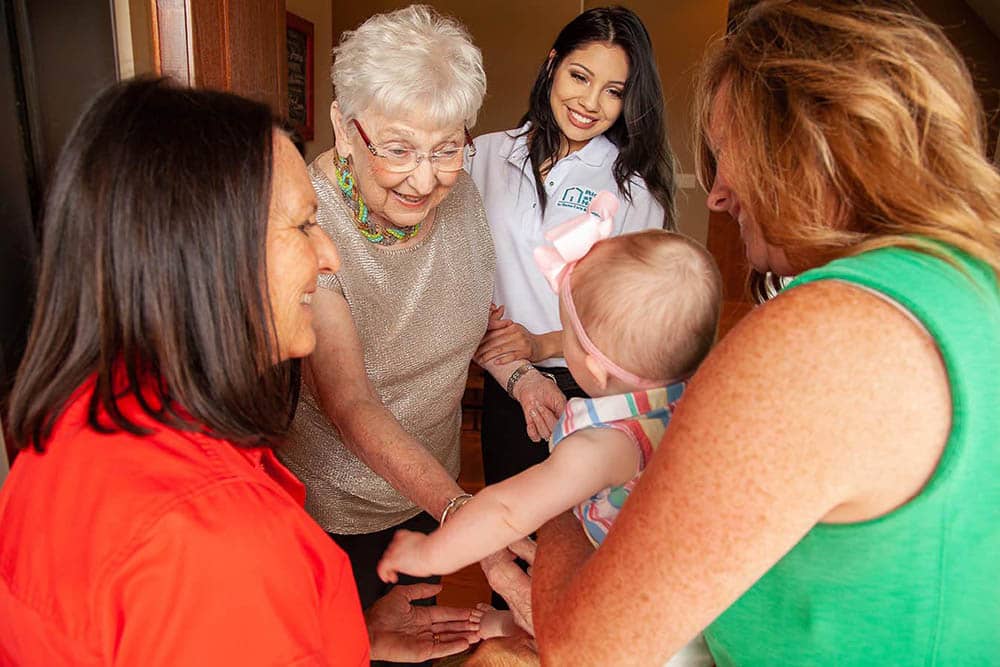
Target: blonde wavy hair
column 850, row 127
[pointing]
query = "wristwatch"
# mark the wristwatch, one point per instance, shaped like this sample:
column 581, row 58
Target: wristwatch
column 520, row 372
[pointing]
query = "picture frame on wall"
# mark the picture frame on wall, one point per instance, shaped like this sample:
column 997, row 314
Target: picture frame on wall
column 301, row 86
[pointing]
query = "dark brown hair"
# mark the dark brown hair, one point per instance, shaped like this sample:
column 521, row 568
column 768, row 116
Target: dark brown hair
column 640, row 133
column 153, row 277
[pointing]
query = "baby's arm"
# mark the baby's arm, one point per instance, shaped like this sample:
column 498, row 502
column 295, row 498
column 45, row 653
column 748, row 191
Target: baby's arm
column 580, row 466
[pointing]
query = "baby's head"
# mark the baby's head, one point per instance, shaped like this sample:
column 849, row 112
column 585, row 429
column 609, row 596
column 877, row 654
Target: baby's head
column 648, row 302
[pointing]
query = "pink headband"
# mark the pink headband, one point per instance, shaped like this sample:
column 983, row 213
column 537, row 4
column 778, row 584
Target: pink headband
column 571, row 241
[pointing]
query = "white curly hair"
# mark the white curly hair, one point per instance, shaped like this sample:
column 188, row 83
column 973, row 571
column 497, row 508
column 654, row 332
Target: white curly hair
column 410, row 58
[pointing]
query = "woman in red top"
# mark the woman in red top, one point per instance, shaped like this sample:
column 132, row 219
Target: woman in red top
column 147, row 521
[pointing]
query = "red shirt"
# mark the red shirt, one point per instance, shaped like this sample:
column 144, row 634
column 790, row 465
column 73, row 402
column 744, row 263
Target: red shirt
column 169, row 549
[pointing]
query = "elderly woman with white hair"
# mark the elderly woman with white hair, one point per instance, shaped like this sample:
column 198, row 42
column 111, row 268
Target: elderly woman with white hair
column 376, row 435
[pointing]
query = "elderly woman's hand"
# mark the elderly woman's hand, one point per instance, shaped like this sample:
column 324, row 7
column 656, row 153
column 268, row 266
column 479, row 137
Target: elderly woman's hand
column 506, row 341
column 542, row 403
column 402, row 632
column 507, row 578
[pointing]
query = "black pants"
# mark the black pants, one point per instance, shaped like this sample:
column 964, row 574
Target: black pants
column 507, row 450
column 364, row 552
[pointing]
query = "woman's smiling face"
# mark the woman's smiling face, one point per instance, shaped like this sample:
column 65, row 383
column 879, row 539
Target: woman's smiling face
column 401, row 199
column 297, row 252
column 722, row 198
column 587, row 94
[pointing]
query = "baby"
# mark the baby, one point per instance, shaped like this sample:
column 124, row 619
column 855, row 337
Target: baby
column 639, row 313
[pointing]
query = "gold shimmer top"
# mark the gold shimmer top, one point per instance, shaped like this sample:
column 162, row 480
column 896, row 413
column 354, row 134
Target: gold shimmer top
column 420, row 313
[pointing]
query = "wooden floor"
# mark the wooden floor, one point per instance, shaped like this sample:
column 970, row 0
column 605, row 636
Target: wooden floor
column 468, row 586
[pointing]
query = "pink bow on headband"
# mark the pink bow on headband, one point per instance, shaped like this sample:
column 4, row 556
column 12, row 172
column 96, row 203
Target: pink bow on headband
column 574, row 238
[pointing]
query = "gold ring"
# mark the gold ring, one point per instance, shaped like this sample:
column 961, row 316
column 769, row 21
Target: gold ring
column 436, row 638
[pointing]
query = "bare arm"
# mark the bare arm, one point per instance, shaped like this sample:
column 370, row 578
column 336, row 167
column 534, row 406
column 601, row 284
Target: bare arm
column 337, row 375
column 562, row 551
column 583, row 464
column 827, row 404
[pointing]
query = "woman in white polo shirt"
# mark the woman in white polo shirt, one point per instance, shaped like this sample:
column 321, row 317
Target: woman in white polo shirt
column 595, row 123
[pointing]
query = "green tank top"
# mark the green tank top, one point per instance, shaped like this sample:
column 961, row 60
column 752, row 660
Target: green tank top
column 920, row 585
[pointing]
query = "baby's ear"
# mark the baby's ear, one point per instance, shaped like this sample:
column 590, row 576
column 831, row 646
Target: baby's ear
column 597, row 370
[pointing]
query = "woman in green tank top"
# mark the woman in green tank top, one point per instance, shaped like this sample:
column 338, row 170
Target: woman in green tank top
column 827, row 492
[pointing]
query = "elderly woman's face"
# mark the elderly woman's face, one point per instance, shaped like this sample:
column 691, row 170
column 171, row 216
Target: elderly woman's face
column 401, row 199
column 723, row 199
column 297, row 250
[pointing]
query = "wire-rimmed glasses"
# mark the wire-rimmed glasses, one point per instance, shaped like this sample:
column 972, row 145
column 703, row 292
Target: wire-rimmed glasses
column 400, row 159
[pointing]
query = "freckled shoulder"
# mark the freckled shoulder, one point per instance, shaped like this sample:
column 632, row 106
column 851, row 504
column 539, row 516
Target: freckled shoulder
column 850, row 376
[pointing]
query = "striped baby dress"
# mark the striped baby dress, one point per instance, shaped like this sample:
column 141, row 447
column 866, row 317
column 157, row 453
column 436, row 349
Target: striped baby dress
column 643, row 416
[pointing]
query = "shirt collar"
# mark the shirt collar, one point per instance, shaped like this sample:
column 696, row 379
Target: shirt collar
column 519, row 145
column 594, row 154
column 604, row 409
column 264, row 460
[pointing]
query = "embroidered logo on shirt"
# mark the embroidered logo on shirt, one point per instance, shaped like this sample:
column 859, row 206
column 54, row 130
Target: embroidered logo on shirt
column 576, row 197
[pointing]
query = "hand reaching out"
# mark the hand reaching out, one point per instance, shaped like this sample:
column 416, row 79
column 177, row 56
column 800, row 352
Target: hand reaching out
column 403, row 555
column 402, row 632
column 510, row 581
column 524, row 549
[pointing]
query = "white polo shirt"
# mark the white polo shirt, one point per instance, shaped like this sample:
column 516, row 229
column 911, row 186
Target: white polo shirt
column 505, row 180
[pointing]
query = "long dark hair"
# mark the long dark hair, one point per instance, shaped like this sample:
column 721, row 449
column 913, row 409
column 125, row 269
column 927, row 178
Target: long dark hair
column 639, row 133
column 153, row 276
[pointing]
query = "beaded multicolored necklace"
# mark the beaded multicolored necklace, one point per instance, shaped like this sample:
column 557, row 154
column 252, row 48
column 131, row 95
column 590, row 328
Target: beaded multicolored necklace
column 381, row 235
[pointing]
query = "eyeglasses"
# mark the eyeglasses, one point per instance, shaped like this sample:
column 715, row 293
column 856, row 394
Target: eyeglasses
column 400, row 159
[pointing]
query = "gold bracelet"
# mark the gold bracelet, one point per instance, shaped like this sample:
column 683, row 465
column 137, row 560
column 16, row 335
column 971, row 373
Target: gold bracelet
column 454, row 505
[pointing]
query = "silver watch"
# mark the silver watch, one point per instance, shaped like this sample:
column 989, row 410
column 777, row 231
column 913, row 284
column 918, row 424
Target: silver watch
column 520, row 372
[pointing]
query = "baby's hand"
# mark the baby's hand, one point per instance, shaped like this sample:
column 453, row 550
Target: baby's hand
column 403, row 555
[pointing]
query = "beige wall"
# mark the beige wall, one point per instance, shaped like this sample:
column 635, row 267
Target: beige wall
column 515, row 35
column 680, row 31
